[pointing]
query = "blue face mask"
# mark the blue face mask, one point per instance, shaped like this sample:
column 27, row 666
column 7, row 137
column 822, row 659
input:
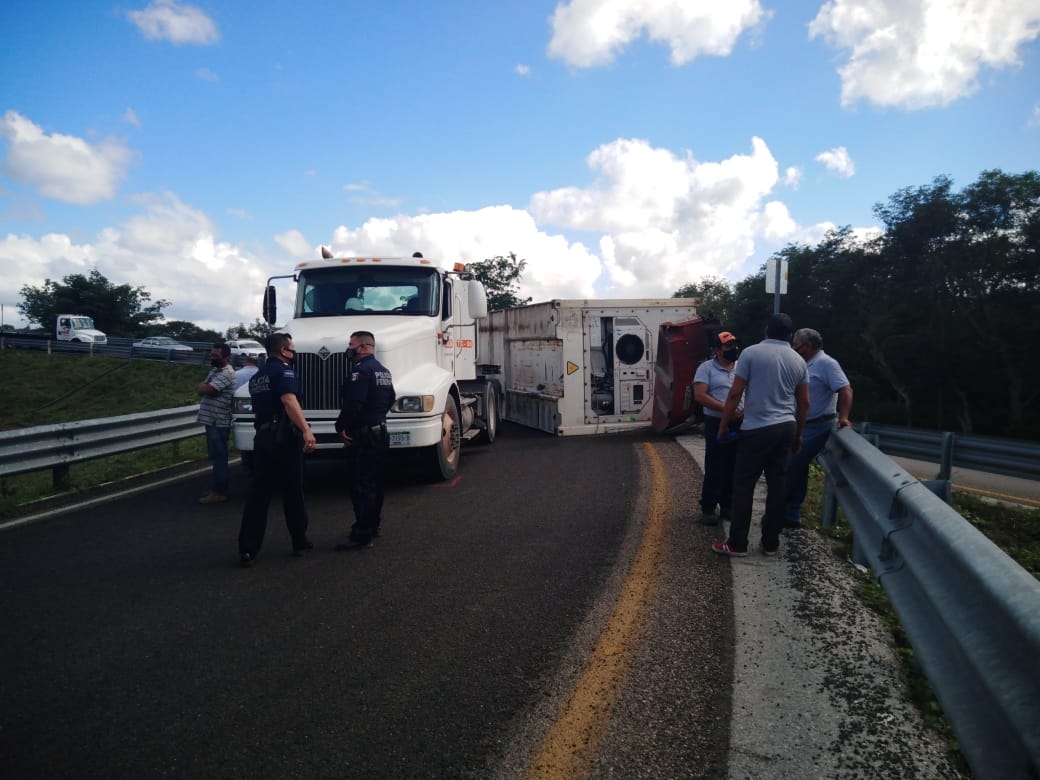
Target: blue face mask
column 351, row 354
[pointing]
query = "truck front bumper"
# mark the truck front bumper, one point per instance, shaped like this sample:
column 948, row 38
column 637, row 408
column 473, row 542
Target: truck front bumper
column 405, row 432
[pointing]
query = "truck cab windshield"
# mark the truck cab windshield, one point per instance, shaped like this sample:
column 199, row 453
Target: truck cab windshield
column 334, row 292
column 83, row 323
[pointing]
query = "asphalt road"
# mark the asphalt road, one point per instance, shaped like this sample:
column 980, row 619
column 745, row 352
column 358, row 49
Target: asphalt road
column 135, row 647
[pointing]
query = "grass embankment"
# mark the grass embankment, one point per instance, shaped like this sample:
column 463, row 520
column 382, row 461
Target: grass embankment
column 1015, row 530
column 45, row 389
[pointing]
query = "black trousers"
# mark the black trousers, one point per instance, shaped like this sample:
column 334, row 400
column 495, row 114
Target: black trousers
column 366, row 468
column 719, row 458
column 762, row 450
column 274, row 467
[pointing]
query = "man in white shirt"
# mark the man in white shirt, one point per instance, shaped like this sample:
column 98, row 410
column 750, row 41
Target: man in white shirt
column 244, row 374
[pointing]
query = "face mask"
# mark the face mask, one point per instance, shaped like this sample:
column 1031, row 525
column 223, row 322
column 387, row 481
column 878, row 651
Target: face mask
column 351, row 354
column 730, row 354
column 216, row 363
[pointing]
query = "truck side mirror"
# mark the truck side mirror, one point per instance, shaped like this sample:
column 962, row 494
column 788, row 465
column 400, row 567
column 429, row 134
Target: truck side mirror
column 478, row 307
column 270, row 305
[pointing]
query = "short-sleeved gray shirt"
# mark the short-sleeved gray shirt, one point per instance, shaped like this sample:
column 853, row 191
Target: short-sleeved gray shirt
column 772, row 371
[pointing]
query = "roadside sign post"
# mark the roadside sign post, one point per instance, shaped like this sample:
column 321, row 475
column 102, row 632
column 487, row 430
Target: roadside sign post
column 776, row 281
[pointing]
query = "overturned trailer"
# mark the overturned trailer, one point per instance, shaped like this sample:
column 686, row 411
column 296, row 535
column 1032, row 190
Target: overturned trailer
column 572, row 367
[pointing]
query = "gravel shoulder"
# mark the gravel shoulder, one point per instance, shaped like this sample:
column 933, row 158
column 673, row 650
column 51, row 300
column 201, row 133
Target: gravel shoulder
column 818, row 691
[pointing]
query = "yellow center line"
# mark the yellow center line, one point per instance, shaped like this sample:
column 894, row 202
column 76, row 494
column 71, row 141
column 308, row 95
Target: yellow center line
column 1023, row 500
column 573, row 740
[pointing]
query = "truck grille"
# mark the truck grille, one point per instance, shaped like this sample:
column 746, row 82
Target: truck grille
column 320, row 380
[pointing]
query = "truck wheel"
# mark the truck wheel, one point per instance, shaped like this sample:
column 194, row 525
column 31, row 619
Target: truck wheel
column 444, row 456
column 490, row 414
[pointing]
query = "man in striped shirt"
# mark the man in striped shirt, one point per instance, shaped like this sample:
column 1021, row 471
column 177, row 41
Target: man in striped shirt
column 215, row 415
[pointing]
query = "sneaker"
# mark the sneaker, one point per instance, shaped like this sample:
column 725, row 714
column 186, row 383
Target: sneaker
column 245, row 560
column 300, row 549
column 213, row 498
column 708, row 518
column 769, row 553
column 353, row 544
column 723, row 548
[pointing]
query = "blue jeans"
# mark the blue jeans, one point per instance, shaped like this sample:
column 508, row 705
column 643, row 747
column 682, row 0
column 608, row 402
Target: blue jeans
column 796, row 483
column 217, row 446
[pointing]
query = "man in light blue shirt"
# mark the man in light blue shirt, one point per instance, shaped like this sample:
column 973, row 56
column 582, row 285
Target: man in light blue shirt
column 774, row 383
column 830, row 397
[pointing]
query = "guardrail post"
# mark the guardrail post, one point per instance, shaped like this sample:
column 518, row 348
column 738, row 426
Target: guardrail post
column 946, row 457
column 829, row 507
column 941, row 488
column 60, row 476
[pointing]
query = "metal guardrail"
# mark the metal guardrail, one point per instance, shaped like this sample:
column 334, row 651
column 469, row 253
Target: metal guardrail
column 115, row 348
column 971, row 613
column 57, row 445
column 1009, row 457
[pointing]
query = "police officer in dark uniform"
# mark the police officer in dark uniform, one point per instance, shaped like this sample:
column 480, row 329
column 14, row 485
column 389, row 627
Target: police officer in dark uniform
column 282, row 437
column 366, row 396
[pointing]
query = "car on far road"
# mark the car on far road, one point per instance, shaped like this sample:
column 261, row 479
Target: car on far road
column 241, row 348
column 162, row 342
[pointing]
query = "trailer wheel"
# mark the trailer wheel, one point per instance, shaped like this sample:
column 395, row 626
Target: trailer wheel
column 444, row 456
column 490, row 414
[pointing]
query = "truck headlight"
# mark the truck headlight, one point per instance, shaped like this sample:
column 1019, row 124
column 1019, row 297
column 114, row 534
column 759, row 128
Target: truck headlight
column 413, row 403
column 242, row 405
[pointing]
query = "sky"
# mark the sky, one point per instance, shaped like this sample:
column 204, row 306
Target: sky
column 623, row 148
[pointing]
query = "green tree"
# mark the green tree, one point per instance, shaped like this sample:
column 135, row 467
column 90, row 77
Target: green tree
column 118, row 310
column 500, row 277
column 259, row 330
column 713, row 294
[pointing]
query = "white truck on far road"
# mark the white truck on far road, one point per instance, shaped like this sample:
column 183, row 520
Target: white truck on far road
column 79, row 328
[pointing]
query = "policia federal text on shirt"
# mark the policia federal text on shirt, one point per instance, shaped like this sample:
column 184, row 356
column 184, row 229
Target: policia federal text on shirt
column 282, row 437
column 366, row 396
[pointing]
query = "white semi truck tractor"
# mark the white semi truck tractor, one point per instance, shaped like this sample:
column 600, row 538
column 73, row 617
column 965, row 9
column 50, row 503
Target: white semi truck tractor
column 425, row 320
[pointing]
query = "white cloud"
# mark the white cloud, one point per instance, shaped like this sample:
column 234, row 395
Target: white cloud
column 648, row 221
column 169, row 248
column 556, row 268
column 130, row 117
column 522, row 70
column 369, row 197
column 668, row 220
column 63, row 167
column 293, row 242
column 838, row 161
column 586, row 33
column 792, row 177
column 205, row 74
column 915, row 54
column 1034, row 119
column 175, row 22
